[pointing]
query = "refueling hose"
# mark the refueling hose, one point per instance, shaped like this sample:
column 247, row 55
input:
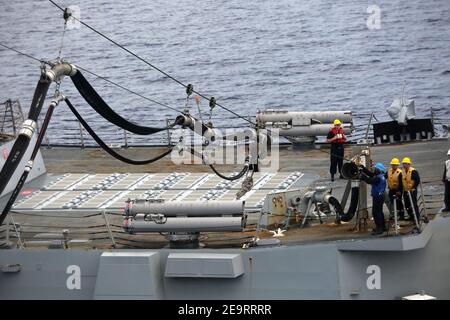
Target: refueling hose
column 105, row 147
column 101, row 107
column 29, row 166
column 340, row 214
column 23, row 140
column 231, row 178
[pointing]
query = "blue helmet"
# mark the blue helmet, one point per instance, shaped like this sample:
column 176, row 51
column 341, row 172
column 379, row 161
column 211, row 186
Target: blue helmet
column 380, row 167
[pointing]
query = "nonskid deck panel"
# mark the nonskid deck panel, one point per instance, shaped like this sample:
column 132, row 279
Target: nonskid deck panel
column 110, row 191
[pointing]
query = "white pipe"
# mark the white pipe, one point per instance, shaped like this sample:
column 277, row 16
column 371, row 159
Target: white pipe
column 326, row 117
column 185, row 208
column 187, row 121
column 196, row 224
column 312, row 130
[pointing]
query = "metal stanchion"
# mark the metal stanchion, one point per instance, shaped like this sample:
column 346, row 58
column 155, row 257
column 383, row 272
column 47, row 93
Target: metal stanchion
column 81, row 135
column 305, row 216
column 125, row 138
column 422, row 196
column 396, row 226
column 413, row 210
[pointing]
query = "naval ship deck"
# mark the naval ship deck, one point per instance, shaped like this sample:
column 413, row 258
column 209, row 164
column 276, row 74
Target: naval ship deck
column 85, row 192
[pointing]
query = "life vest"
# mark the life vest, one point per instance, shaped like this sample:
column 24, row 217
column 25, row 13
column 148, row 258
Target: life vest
column 379, row 188
column 393, row 183
column 335, row 131
column 447, row 166
column 408, row 183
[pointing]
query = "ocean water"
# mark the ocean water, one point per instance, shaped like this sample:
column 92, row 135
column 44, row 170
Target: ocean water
column 250, row 55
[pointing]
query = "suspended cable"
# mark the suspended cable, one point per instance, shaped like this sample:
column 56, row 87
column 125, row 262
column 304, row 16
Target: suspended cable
column 150, row 64
column 24, row 54
column 97, row 76
column 102, row 144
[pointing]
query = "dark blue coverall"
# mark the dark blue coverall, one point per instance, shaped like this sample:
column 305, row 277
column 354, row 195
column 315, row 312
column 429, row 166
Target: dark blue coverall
column 378, row 182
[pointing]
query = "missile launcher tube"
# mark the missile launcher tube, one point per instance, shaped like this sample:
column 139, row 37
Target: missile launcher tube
column 185, row 208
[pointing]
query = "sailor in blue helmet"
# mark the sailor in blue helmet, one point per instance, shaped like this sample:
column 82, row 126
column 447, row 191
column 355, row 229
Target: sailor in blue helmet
column 377, row 180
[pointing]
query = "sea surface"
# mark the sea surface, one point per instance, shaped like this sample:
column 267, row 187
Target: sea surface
column 251, row 55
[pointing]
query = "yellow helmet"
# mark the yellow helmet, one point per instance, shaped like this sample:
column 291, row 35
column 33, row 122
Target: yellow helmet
column 406, row 160
column 336, row 122
column 395, row 161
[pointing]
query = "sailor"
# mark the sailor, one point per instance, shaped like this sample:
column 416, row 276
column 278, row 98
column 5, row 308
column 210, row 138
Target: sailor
column 446, row 180
column 410, row 182
column 377, row 179
column 337, row 139
column 395, row 186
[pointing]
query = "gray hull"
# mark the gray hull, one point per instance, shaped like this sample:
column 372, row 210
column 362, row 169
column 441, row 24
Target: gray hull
column 381, row 268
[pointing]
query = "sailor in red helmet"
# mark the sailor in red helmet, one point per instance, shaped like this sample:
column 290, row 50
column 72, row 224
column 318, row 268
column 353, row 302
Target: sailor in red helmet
column 337, row 139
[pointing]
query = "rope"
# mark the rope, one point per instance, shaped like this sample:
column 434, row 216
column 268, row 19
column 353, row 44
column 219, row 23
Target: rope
column 150, row 64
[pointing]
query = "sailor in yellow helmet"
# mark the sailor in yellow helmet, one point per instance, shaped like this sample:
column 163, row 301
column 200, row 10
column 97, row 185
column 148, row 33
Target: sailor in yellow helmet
column 336, row 137
column 395, row 187
column 410, row 182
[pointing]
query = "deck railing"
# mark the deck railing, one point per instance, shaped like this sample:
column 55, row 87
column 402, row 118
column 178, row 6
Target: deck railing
column 69, row 132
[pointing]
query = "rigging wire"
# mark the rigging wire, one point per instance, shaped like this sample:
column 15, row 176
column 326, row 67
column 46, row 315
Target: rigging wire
column 189, row 87
column 25, row 54
column 134, row 92
column 97, row 76
column 150, row 64
column 62, row 40
column 120, row 86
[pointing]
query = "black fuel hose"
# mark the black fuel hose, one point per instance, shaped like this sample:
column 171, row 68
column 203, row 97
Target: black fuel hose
column 231, row 178
column 104, row 146
column 101, row 107
column 341, row 215
column 23, row 140
column 28, row 168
